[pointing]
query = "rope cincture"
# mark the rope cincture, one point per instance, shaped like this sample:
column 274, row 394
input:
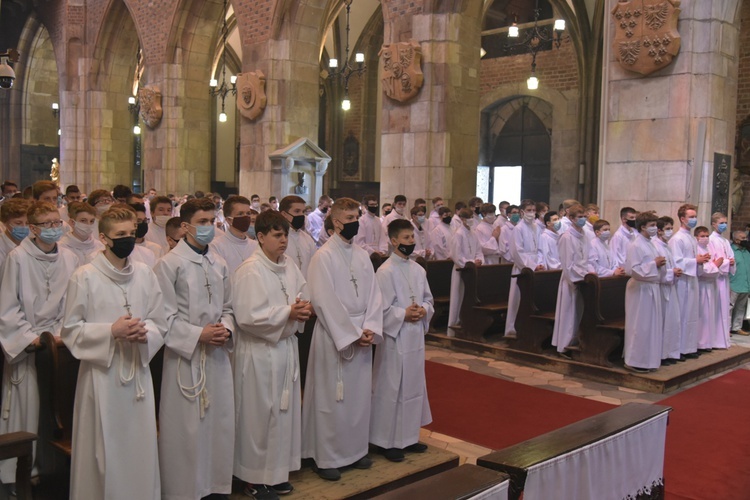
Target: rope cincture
column 197, row 391
column 140, row 393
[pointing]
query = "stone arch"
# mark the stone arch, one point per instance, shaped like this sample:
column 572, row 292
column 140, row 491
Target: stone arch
column 559, row 113
column 40, row 91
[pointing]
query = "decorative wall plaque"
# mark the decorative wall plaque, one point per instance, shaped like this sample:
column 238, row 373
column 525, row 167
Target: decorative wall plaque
column 720, row 192
column 646, row 37
column 401, row 69
column 149, row 98
column 251, row 94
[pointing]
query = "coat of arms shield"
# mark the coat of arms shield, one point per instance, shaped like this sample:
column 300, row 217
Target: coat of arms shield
column 251, row 94
column 149, row 99
column 401, row 69
column 646, row 37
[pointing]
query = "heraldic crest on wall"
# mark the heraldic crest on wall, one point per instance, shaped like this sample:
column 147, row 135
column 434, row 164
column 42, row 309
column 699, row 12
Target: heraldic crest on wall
column 251, row 94
column 646, row 37
column 149, row 99
column 401, row 69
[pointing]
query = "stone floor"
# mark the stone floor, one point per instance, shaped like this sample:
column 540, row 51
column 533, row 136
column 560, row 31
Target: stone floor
column 538, row 378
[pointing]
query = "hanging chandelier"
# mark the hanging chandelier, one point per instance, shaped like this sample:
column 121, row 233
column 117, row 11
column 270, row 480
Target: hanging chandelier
column 223, row 89
column 535, row 39
column 346, row 70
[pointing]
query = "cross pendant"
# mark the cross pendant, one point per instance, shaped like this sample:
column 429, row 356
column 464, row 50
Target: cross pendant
column 283, row 289
column 48, row 290
column 413, row 301
column 127, row 308
column 354, row 281
column 208, row 288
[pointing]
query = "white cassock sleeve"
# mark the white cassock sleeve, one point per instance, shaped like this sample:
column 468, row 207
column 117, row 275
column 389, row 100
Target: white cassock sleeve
column 640, row 264
column 393, row 314
column 255, row 315
column 682, row 250
column 87, row 341
column 182, row 337
column 156, row 322
column 523, row 256
column 16, row 331
column 708, row 270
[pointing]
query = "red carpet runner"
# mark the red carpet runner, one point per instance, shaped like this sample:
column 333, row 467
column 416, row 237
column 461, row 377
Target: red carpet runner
column 495, row 413
column 708, row 440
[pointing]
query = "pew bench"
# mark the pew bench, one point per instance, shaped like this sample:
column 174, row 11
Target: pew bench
column 602, row 330
column 439, row 274
column 535, row 321
column 618, row 429
column 19, row 445
column 463, row 482
column 485, row 303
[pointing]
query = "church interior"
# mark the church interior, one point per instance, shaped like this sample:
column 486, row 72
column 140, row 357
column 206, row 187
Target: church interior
column 547, row 100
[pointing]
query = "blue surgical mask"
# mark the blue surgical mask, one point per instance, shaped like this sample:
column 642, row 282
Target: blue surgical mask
column 251, row 232
column 692, row 222
column 50, row 235
column 19, row 232
column 420, row 219
column 581, row 221
column 722, row 227
column 557, row 225
column 514, row 218
column 204, row 234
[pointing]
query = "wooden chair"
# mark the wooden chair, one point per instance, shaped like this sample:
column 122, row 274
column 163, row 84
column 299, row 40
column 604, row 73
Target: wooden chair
column 439, row 274
column 485, row 303
column 602, row 329
column 19, row 445
column 535, row 321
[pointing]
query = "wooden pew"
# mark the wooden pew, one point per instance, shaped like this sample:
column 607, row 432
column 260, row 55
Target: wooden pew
column 439, row 274
column 19, row 445
column 535, row 321
column 463, row 482
column 485, row 302
column 516, row 460
column 602, row 329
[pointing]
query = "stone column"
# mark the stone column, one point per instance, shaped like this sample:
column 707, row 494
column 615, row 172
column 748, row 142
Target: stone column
column 660, row 132
column 430, row 145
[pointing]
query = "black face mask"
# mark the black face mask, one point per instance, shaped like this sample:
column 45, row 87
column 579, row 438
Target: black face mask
column 447, row 220
column 324, row 210
column 745, row 244
column 141, row 229
column 350, row 230
column 372, row 210
column 630, row 223
column 123, row 247
column 406, row 249
column 477, row 210
column 298, row 221
column 386, row 212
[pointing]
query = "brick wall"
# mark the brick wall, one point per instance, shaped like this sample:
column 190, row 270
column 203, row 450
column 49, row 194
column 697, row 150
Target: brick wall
column 556, row 69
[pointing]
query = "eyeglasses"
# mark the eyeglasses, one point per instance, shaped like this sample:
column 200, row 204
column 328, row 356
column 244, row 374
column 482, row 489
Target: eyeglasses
column 49, row 224
column 105, row 201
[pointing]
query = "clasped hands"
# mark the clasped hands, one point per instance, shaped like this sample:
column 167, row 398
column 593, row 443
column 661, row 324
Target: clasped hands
column 302, row 310
column 414, row 313
column 214, row 334
column 130, row 329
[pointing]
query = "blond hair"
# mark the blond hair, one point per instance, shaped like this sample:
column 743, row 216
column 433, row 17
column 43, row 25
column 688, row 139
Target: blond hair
column 39, row 208
column 77, row 207
column 115, row 215
column 15, row 207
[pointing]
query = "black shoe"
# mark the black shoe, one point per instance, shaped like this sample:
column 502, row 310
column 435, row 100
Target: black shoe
column 328, row 474
column 703, row 351
column 681, row 359
column 565, row 354
column 636, row 370
column 692, row 355
column 260, row 492
column 394, row 454
column 283, row 488
column 666, row 362
column 363, row 463
column 416, row 448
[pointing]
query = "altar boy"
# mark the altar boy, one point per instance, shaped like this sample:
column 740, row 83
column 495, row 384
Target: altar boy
column 271, row 305
column 196, row 411
column 399, row 396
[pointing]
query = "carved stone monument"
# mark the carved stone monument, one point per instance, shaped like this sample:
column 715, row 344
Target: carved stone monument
column 721, row 178
column 401, row 70
column 251, row 94
column 149, row 98
column 646, row 37
column 299, row 169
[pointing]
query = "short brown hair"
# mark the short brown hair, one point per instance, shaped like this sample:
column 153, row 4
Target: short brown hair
column 119, row 213
column 76, row 207
column 12, row 208
column 232, row 201
column 38, row 208
column 575, row 210
column 195, row 205
column 158, row 200
column 644, row 218
column 684, row 208
column 598, row 225
column 398, row 225
column 271, row 220
column 40, row 187
column 287, row 201
column 343, row 204
column 96, row 194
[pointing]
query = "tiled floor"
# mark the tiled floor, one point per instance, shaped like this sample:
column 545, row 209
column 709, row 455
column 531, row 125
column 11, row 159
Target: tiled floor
column 538, row 378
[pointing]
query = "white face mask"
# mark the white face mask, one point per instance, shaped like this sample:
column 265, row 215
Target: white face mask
column 703, row 241
column 255, row 205
column 100, row 209
column 399, row 210
column 83, row 230
column 161, row 220
column 652, row 231
column 668, row 234
column 490, row 218
column 604, row 235
column 529, row 217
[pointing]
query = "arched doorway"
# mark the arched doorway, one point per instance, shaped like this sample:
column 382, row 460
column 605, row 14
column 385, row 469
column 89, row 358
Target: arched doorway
column 516, row 151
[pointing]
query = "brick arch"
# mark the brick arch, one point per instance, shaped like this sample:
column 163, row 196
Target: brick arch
column 503, row 110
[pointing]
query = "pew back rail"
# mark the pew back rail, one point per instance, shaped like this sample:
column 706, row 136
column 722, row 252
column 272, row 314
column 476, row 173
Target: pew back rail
column 535, row 321
column 602, row 328
column 485, row 303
